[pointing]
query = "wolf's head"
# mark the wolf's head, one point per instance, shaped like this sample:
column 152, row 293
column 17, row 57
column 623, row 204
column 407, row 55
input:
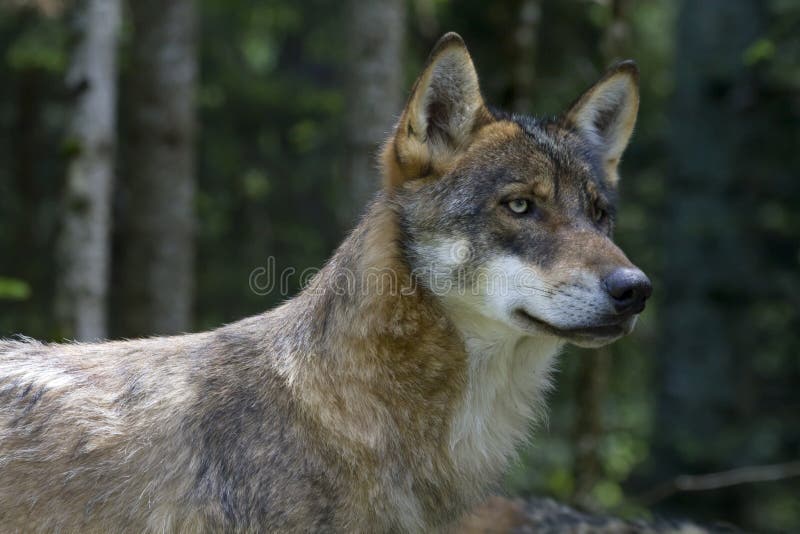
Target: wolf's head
column 509, row 217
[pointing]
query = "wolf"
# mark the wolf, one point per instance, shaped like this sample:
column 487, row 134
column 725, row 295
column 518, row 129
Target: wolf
column 374, row 406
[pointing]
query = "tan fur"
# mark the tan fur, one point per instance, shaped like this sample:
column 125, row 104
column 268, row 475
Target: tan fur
column 617, row 88
column 412, row 153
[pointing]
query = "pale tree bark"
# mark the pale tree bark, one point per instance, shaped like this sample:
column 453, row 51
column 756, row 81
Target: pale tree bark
column 157, row 239
column 373, row 94
column 526, row 38
column 84, row 246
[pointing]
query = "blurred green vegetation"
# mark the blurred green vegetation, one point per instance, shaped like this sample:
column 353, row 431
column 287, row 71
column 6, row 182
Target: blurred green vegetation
column 710, row 210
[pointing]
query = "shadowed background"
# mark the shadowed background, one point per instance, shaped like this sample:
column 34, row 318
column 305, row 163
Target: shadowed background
column 151, row 157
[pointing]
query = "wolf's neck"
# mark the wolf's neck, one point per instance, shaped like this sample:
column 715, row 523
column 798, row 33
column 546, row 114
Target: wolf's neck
column 394, row 380
column 507, row 381
column 387, row 362
column 377, row 361
column 366, row 290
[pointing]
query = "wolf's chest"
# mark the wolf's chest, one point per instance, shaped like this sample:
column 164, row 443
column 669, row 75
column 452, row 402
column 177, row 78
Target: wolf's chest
column 507, row 381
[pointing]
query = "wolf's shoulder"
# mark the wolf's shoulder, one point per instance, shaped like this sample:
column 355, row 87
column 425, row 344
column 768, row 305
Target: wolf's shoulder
column 19, row 342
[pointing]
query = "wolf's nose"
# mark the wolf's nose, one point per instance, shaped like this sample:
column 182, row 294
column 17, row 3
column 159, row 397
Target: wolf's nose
column 628, row 289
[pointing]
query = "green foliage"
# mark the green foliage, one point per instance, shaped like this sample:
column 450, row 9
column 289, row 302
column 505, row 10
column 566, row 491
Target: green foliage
column 41, row 45
column 761, row 50
column 13, row 289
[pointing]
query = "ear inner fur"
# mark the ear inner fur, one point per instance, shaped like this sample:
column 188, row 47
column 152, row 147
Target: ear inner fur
column 444, row 111
column 606, row 113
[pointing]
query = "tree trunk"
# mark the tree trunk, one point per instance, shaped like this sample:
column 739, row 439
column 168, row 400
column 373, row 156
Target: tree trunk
column 157, row 249
column 526, row 37
column 84, row 247
column 595, row 369
column 708, row 334
column 374, row 94
column 591, row 391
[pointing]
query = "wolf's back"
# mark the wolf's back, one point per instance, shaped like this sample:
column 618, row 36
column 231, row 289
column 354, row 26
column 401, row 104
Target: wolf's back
column 76, row 435
column 180, row 434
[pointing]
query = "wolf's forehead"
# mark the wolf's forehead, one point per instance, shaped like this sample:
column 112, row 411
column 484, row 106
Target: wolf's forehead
column 553, row 162
column 545, row 153
column 563, row 148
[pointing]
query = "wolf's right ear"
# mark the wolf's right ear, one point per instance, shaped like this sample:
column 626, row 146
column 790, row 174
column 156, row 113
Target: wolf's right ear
column 606, row 113
column 443, row 111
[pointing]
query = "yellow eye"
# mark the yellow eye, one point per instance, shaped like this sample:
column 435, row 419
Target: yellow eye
column 600, row 214
column 519, row 206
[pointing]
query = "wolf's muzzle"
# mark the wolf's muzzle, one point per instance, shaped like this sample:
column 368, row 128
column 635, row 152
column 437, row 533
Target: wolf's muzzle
column 628, row 289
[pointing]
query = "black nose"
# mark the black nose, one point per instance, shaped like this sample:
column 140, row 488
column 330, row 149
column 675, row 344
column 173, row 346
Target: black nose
column 628, row 289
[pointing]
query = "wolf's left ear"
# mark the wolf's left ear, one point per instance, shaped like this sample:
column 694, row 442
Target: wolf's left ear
column 606, row 113
column 443, row 111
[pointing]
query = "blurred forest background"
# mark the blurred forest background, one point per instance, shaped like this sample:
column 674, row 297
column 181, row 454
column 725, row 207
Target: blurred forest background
column 153, row 153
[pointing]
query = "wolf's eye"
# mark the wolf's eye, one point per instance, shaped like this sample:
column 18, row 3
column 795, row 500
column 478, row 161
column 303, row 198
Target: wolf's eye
column 519, row 206
column 600, row 215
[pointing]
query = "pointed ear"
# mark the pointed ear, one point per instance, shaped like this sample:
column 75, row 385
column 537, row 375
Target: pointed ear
column 606, row 113
column 443, row 111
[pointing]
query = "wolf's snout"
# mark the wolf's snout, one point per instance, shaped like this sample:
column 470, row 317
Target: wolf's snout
column 628, row 289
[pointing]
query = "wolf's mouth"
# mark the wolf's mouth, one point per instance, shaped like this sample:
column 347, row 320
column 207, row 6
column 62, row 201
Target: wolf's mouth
column 581, row 334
